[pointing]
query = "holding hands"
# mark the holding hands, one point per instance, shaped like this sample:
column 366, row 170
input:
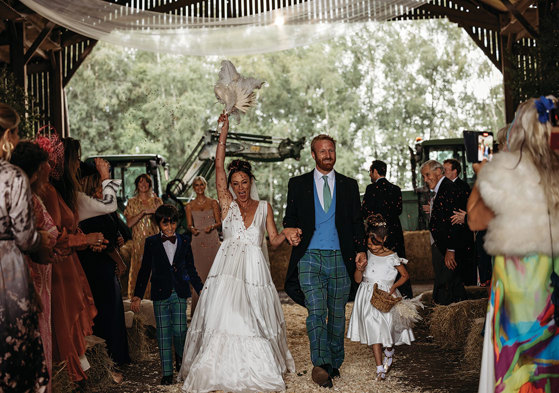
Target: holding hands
column 361, row 261
column 293, row 236
column 459, row 217
column 135, row 304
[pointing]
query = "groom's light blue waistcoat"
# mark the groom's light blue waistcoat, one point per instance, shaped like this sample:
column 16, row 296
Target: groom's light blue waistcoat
column 325, row 235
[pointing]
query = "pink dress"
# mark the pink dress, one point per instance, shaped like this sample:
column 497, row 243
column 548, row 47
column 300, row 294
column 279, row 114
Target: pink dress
column 41, row 275
column 74, row 307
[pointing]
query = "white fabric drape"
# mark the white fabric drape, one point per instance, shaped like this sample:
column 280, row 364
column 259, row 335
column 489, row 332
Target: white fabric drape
column 266, row 31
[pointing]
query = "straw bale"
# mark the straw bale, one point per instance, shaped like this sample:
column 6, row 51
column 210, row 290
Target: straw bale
column 138, row 346
column 418, row 253
column 279, row 262
column 99, row 375
column 61, row 381
column 450, row 324
column 474, row 346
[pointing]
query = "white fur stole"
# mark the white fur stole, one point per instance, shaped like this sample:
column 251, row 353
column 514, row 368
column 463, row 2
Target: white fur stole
column 513, row 191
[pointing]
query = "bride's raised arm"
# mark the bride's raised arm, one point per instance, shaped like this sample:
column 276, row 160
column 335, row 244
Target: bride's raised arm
column 223, row 194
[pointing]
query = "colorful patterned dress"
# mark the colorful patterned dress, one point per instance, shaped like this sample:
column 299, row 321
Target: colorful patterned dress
column 521, row 341
column 145, row 227
column 22, row 362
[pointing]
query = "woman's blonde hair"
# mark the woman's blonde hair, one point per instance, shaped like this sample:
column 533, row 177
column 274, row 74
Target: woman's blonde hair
column 530, row 137
column 201, row 178
column 9, row 121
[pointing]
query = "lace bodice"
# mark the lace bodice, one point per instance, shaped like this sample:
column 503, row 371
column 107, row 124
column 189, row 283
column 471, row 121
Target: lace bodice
column 234, row 227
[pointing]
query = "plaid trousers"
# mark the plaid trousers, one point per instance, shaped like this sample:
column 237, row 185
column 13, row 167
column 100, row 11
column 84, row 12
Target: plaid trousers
column 170, row 322
column 324, row 281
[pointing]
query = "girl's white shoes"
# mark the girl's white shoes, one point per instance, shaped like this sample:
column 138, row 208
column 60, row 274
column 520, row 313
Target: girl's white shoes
column 387, row 361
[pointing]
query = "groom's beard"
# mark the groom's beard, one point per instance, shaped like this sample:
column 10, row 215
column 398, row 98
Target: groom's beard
column 326, row 164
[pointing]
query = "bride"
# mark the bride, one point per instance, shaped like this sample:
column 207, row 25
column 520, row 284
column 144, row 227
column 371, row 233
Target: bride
column 236, row 341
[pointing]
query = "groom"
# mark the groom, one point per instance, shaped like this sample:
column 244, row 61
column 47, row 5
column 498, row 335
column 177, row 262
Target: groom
column 323, row 222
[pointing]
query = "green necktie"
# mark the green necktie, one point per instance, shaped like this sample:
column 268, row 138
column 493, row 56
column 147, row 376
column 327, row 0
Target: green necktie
column 326, row 194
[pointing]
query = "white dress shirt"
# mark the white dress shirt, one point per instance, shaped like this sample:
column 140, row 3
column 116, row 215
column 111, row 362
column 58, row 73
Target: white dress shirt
column 319, row 184
column 170, row 249
column 436, row 190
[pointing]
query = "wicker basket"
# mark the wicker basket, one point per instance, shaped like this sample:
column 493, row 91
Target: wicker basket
column 382, row 300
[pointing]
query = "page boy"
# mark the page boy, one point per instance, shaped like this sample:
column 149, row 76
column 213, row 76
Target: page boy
column 168, row 258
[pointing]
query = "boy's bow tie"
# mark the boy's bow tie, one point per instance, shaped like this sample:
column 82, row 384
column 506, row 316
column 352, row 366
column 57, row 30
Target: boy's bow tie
column 172, row 239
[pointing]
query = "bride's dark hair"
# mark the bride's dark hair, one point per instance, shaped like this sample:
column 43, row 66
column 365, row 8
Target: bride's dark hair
column 239, row 166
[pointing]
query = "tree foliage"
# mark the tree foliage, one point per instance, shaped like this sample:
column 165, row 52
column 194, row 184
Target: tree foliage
column 374, row 90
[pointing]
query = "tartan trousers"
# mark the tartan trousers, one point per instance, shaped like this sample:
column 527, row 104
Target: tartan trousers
column 324, row 281
column 170, row 323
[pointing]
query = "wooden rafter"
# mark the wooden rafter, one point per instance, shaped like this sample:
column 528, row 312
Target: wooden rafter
column 491, row 55
column 520, row 17
column 83, row 55
column 8, row 12
column 38, row 41
column 474, row 18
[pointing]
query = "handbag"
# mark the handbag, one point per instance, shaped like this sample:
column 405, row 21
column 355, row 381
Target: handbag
column 382, row 300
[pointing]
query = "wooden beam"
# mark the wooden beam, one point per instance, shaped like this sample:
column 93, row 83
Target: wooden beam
column 7, row 12
column 57, row 104
column 520, row 17
column 484, row 48
column 38, row 41
column 37, row 68
column 76, row 65
column 475, row 18
column 506, row 70
column 513, row 26
column 17, row 32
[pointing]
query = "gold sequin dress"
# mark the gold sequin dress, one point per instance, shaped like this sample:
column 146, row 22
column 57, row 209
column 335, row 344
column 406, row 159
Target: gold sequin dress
column 145, row 227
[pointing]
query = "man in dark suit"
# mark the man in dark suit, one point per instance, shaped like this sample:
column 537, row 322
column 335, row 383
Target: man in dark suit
column 448, row 286
column 465, row 250
column 168, row 259
column 386, row 198
column 324, row 224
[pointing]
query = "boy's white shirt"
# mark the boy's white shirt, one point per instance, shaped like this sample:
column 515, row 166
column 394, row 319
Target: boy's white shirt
column 170, row 248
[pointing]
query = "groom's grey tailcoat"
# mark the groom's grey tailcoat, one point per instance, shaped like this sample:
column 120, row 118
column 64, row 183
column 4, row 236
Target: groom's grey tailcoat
column 299, row 213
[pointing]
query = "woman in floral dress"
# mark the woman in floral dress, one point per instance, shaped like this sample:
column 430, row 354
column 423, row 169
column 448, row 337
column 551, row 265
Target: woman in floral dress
column 139, row 212
column 22, row 362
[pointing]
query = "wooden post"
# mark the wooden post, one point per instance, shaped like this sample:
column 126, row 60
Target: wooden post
column 57, row 104
column 505, row 48
column 17, row 53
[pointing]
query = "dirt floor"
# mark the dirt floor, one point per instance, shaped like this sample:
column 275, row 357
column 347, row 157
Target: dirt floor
column 421, row 367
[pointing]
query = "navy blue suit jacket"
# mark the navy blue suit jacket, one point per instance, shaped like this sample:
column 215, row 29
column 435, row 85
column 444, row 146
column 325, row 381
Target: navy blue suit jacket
column 166, row 276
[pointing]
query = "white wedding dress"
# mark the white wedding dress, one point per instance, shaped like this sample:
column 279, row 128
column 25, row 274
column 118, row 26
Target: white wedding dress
column 236, row 341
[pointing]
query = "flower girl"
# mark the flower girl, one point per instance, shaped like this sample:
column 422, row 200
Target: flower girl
column 369, row 325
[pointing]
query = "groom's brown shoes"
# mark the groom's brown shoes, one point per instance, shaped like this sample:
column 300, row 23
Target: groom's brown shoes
column 321, row 377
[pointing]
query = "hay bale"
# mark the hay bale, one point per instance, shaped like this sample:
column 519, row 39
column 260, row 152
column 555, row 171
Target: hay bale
column 61, row 381
column 450, row 324
column 418, row 253
column 138, row 347
column 99, row 375
column 474, row 346
column 279, row 262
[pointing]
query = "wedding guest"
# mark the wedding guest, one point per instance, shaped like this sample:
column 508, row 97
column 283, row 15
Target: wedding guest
column 139, row 217
column 103, row 268
column 34, row 162
column 72, row 318
column 22, row 366
column 448, row 286
column 465, row 245
column 516, row 199
column 203, row 220
column 168, row 260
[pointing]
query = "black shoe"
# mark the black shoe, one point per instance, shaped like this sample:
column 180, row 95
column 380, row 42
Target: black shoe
column 167, row 380
column 335, row 373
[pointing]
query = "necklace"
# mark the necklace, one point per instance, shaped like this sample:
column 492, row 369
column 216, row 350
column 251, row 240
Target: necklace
column 244, row 210
column 200, row 203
